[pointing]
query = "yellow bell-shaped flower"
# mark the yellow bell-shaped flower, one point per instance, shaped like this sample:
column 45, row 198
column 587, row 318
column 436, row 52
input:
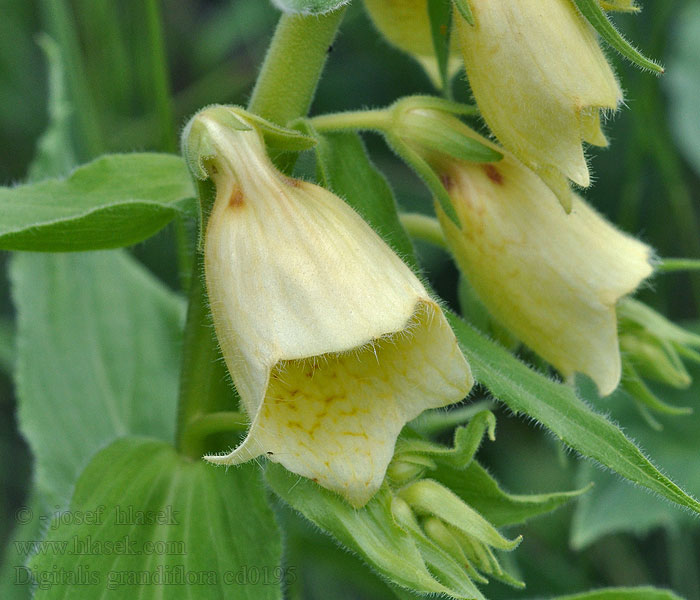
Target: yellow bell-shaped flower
column 551, row 278
column 331, row 340
column 540, row 80
column 406, row 25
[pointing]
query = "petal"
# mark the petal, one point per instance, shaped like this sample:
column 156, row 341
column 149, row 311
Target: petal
column 335, row 418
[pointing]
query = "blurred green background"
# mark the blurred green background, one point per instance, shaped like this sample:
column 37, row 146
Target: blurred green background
column 138, row 69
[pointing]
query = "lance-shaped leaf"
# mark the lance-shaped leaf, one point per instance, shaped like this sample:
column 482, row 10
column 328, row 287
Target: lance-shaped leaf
column 479, row 490
column 559, row 409
column 116, row 200
column 97, row 358
column 593, row 11
column 161, row 524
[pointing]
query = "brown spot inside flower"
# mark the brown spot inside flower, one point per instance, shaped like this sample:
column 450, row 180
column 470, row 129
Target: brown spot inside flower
column 446, row 181
column 493, row 174
column 237, row 199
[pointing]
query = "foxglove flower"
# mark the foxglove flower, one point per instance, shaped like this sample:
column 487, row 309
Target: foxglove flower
column 551, row 278
column 331, row 340
column 406, row 25
column 541, row 81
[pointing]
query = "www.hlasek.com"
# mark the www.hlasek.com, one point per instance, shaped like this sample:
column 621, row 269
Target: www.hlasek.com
column 87, row 546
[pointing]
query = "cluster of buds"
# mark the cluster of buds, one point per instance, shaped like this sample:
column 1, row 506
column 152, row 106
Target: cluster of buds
column 431, row 512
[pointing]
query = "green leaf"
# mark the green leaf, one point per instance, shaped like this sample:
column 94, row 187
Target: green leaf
column 28, row 526
column 440, row 15
column 370, row 531
column 54, row 154
column 466, row 442
column 116, row 200
column 683, row 81
column 465, row 10
column 559, row 409
column 145, row 522
column 614, row 505
column 98, row 357
column 478, row 489
column 309, row 7
column 638, row 593
column 345, row 168
column 596, row 16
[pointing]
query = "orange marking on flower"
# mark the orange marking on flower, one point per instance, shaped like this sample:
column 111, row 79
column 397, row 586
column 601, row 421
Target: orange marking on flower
column 237, row 199
column 493, row 174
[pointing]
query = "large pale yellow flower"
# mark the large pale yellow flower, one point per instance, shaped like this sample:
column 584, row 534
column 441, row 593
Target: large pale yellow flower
column 551, row 278
column 331, row 340
column 540, row 80
column 405, row 23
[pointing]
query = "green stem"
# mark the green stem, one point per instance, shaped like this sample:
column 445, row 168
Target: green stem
column 204, row 383
column 424, row 228
column 293, row 65
column 284, row 91
column 377, row 120
column 159, row 76
column 203, row 426
column 669, row 265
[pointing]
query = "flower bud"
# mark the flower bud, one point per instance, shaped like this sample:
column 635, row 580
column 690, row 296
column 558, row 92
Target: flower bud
column 540, row 80
column 620, row 5
column 552, row 279
column 331, row 340
column 654, row 345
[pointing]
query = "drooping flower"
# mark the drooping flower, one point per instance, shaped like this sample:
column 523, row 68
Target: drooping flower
column 406, row 25
column 540, row 80
column 331, row 340
column 551, row 278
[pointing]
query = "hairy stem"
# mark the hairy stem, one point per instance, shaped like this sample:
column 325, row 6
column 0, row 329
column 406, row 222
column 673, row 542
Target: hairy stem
column 424, row 228
column 377, row 120
column 293, row 65
column 668, row 265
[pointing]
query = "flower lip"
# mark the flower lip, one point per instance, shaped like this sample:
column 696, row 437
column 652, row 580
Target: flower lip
column 334, row 418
